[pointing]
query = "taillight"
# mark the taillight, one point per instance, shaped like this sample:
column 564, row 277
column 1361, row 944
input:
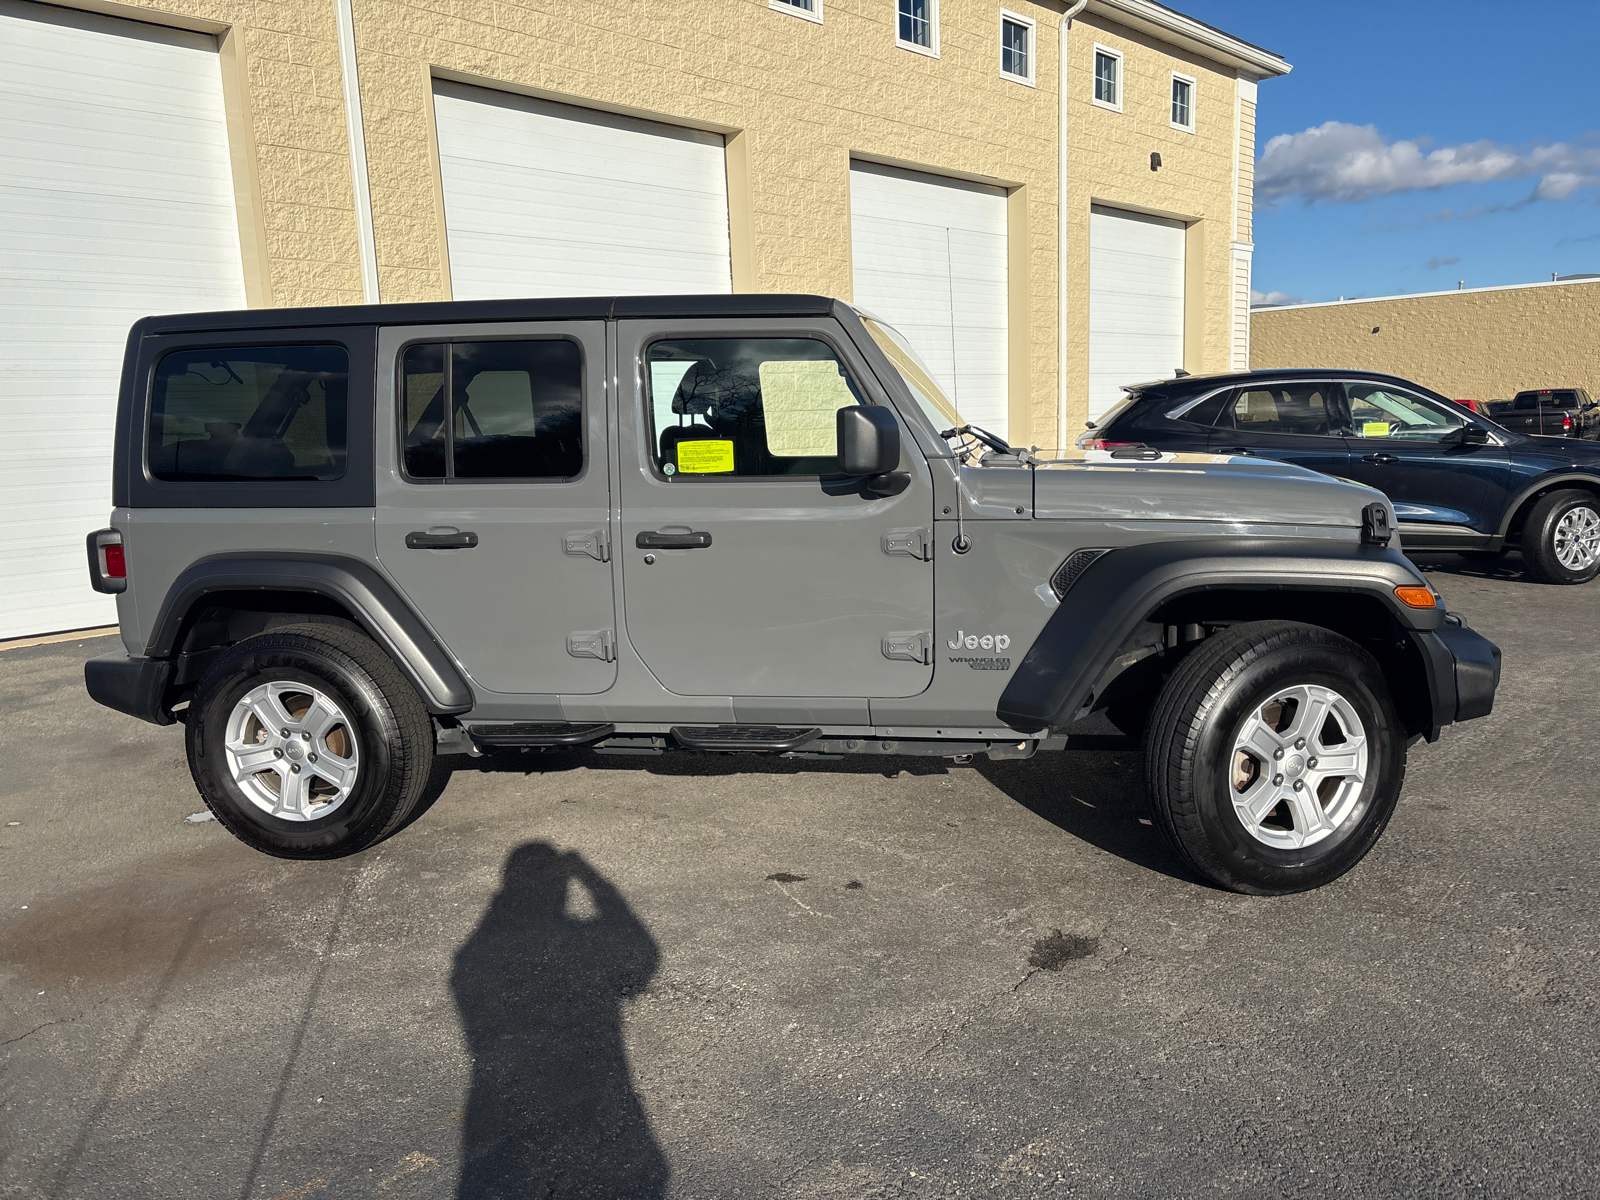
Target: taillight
column 1566, row 422
column 1102, row 444
column 108, row 561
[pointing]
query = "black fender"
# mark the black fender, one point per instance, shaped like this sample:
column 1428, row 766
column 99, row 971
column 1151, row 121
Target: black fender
column 1584, row 481
column 1122, row 588
column 370, row 598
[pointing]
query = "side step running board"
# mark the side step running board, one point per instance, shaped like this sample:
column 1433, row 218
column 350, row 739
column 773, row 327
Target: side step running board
column 531, row 735
column 762, row 739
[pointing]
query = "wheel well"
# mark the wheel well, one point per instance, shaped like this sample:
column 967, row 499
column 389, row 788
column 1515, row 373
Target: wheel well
column 1152, row 652
column 220, row 619
column 1520, row 517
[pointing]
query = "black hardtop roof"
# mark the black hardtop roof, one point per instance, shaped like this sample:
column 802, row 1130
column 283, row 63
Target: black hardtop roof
column 574, row 308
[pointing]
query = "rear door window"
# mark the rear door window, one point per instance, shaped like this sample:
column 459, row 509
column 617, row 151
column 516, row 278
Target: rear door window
column 249, row 414
column 509, row 410
column 1300, row 408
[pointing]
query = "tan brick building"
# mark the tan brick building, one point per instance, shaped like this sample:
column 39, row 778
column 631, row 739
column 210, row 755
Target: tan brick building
column 1477, row 344
column 919, row 156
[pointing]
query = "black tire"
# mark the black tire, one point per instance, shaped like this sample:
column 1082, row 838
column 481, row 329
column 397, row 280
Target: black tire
column 392, row 732
column 1539, row 537
column 1189, row 755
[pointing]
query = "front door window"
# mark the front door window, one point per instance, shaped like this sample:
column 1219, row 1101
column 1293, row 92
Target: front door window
column 1385, row 412
column 746, row 406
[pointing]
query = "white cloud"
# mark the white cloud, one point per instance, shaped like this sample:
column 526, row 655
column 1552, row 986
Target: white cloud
column 1346, row 164
column 1264, row 299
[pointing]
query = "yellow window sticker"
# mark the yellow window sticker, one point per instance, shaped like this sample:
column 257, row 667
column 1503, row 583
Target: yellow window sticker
column 1375, row 429
column 800, row 398
column 709, row 457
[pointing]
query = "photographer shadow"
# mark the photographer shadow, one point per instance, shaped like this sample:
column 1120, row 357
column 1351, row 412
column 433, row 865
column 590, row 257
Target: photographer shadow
column 552, row 1109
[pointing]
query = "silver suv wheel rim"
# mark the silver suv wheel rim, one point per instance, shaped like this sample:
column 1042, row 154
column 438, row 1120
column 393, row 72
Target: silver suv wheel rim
column 1578, row 538
column 1299, row 762
column 292, row 751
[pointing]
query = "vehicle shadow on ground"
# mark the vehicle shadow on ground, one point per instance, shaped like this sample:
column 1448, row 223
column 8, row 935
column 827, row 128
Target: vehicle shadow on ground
column 540, row 983
column 1093, row 794
column 1508, row 567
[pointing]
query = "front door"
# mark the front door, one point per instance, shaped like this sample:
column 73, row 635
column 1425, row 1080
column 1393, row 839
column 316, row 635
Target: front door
column 1296, row 422
column 1409, row 448
column 749, row 566
column 493, row 507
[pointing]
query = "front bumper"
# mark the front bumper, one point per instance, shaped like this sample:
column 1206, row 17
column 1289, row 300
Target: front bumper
column 136, row 686
column 1463, row 672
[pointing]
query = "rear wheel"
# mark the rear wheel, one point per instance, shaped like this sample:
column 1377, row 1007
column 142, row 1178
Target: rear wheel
column 307, row 742
column 1274, row 757
column 1561, row 538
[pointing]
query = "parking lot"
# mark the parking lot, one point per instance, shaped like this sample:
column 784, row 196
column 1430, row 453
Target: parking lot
column 731, row 976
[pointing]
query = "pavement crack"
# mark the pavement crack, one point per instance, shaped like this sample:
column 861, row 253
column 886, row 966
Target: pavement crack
column 36, row 1028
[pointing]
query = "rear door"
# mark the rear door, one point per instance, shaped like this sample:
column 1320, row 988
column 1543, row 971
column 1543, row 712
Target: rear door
column 493, row 498
column 1296, row 422
column 749, row 568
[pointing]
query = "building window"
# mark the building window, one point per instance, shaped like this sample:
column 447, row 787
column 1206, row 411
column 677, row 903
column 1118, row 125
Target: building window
column 1016, row 47
column 917, row 26
column 1182, row 102
column 811, row 10
column 1108, row 78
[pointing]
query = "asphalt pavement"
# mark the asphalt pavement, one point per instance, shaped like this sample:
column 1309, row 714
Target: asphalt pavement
column 699, row 976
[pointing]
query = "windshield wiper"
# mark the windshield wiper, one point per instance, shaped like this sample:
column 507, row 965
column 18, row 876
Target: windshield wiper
column 992, row 440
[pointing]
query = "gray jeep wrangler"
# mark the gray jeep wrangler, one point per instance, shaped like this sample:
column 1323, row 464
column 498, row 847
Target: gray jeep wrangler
column 348, row 542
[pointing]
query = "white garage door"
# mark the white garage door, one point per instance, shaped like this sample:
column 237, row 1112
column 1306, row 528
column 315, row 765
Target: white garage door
column 1135, row 302
column 116, row 201
column 544, row 199
column 930, row 258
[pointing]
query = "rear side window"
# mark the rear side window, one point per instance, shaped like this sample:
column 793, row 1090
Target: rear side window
column 493, row 410
column 250, row 413
column 746, row 406
column 1282, row 408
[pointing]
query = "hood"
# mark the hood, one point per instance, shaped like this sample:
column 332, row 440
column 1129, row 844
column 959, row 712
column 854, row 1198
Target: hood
column 1214, row 488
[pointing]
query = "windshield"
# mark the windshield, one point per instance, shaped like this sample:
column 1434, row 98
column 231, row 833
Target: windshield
column 935, row 404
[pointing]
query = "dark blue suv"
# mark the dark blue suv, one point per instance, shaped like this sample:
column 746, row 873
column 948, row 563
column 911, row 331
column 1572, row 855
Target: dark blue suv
column 1458, row 481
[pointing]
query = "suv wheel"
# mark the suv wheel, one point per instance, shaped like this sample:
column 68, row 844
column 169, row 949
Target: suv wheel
column 307, row 742
column 1274, row 757
column 1561, row 539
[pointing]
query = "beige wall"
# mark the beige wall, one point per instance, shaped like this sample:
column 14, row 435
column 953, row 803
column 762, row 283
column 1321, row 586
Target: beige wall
column 1481, row 345
column 796, row 100
column 1108, row 162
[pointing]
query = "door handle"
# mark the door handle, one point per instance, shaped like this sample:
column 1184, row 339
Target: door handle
column 648, row 540
column 1240, row 450
column 440, row 541
column 1379, row 458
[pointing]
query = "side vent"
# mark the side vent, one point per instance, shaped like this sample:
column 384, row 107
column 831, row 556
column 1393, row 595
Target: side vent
column 1067, row 573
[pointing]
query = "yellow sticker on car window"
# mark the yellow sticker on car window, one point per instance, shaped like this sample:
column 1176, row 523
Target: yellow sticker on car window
column 1375, row 429
column 708, row 457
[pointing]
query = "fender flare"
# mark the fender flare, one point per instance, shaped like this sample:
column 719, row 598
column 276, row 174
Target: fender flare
column 377, row 606
column 1544, row 483
column 1122, row 588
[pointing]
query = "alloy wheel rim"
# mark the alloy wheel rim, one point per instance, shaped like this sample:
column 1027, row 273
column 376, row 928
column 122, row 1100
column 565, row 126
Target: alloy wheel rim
column 292, row 751
column 1578, row 538
column 1299, row 763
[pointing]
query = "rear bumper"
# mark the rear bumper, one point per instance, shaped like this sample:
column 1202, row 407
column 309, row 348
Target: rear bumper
column 1463, row 672
column 136, row 686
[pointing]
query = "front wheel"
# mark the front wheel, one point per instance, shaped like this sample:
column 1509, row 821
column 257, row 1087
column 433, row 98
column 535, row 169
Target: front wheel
column 1561, row 539
column 1274, row 757
column 307, row 742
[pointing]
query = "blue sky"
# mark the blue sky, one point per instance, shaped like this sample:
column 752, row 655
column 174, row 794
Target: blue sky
column 1504, row 90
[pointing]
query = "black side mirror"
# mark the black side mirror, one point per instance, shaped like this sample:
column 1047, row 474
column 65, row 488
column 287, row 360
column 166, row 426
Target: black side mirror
column 869, row 440
column 1474, row 435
